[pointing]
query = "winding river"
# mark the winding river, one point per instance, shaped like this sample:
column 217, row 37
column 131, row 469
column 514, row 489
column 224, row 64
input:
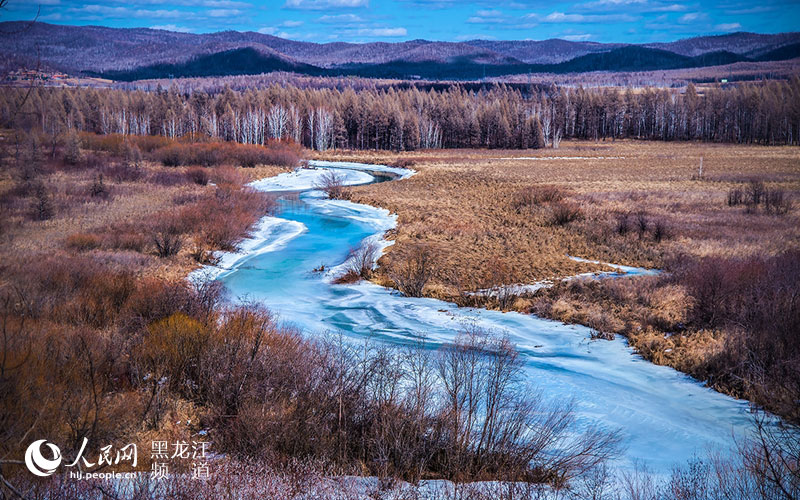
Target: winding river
column 665, row 416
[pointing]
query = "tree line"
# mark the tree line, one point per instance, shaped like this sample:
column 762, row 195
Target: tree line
column 408, row 119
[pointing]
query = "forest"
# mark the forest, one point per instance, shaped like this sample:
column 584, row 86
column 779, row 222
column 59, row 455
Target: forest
column 410, row 119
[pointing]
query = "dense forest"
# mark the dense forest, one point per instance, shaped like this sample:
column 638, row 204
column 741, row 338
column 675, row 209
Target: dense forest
column 392, row 119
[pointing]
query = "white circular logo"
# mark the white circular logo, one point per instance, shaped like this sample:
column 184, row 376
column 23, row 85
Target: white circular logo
column 39, row 465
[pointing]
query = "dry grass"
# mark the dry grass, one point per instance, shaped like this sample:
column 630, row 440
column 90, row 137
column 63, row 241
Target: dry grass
column 79, row 217
column 492, row 218
column 462, row 204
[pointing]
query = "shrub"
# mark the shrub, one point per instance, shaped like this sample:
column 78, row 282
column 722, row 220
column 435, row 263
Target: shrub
column 414, row 272
column 123, row 172
column 171, row 156
column 755, row 192
column 776, row 202
column 98, row 188
column 641, row 223
column 332, row 184
column 735, row 197
column 403, row 163
column 72, row 149
column 167, row 239
column 42, row 207
column 533, row 196
column 347, row 278
column 623, row 224
column 167, row 178
column 562, row 213
column 83, row 242
column 198, row 175
column 359, row 263
column 660, row 230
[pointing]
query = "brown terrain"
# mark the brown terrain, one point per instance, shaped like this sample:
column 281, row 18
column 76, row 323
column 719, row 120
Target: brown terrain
column 489, row 218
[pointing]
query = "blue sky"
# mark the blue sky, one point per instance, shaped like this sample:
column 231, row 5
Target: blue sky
column 632, row 21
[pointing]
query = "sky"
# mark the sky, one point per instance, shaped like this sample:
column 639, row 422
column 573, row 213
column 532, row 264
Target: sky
column 628, row 21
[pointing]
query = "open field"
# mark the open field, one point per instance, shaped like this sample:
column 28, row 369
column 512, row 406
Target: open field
column 485, row 219
column 462, row 203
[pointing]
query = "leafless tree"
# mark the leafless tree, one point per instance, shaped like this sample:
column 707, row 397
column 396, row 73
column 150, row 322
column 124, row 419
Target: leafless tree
column 413, row 273
column 332, row 183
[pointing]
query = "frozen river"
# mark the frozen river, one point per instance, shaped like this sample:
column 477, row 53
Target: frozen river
column 665, row 416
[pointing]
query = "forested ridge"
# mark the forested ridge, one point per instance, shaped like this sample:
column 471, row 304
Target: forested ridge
column 408, row 119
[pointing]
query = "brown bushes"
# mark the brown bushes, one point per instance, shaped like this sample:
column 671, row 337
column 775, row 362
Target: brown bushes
column 755, row 193
column 198, row 175
column 362, row 259
column 282, row 154
column 732, row 321
column 332, row 184
column 413, row 274
column 211, row 154
column 562, row 213
column 533, row 196
column 83, row 241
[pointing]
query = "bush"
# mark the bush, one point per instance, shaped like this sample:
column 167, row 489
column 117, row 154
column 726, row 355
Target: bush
column 755, row 301
column 414, row 272
column 83, row 242
column 359, row 263
column 198, row 175
column 42, row 207
column 403, row 163
column 562, row 213
column 735, row 197
column 98, row 188
column 168, row 241
column 660, row 230
column 776, row 202
column 755, row 192
column 533, row 196
column 279, row 153
column 332, row 184
column 72, row 149
column 623, row 224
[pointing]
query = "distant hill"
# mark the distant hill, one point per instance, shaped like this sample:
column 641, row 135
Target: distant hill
column 140, row 53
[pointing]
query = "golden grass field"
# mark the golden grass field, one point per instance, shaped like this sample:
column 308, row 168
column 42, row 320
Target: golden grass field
column 461, row 204
column 461, row 207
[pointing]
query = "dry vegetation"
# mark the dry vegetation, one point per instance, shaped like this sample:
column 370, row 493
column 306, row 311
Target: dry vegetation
column 726, row 311
column 102, row 339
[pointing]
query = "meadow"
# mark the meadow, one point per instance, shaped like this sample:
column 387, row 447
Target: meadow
column 480, row 219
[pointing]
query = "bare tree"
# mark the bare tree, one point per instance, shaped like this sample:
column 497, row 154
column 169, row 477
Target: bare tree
column 414, row 272
column 332, row 183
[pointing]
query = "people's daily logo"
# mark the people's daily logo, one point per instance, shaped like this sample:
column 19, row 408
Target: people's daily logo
column 37, row 463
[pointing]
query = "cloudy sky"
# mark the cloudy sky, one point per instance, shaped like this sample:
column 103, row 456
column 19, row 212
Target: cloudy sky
column 392, row 20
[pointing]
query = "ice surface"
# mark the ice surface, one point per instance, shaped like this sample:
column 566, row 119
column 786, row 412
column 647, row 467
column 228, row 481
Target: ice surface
column 665, row 416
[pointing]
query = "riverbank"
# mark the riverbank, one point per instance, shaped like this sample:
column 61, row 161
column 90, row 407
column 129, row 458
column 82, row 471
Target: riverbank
column 487, row 219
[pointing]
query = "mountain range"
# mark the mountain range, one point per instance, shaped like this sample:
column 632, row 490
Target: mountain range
column 141, row 53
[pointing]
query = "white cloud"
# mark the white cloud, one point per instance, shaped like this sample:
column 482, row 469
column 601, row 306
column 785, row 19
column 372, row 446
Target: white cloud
column 691, row 17
column 324, row 4
column 561, row 17
column 268, row 30
column 292, row 24
column 477, row 36
column 728, row 27
column 224, row 12
column 675, row 7
column 171, row 27
column 340, row 19
column 577, row 38
column 387, row 32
